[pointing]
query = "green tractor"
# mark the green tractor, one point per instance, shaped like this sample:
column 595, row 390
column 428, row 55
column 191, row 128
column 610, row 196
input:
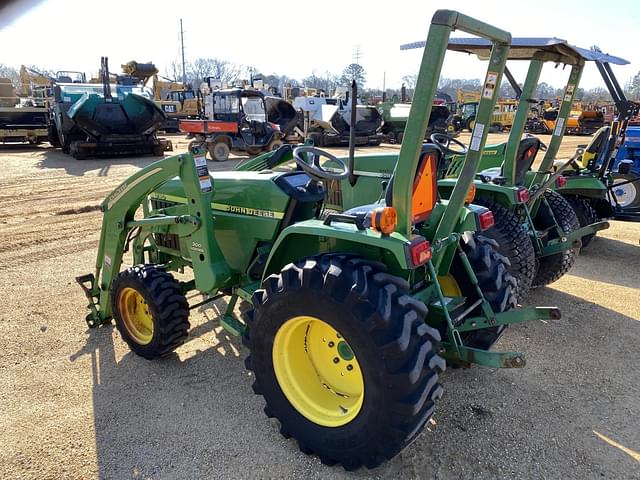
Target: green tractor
column 535, row 227
column 592, row 184
column 352, row 318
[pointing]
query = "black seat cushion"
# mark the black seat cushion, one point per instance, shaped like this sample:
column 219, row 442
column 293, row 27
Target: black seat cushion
column 526, row 154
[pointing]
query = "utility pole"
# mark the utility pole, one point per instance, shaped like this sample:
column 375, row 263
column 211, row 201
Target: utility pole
column 184, row 70
column 384, row 87
column 357, row 54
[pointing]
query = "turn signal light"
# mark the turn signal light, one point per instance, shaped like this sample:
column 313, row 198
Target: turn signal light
column 486, row 220
column 561, row 181
column 384, row 220
column 419, row 251
column 471, row 194
column 522, row 195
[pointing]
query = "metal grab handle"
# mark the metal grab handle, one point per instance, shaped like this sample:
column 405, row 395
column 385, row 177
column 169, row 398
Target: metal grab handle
column 340, row 217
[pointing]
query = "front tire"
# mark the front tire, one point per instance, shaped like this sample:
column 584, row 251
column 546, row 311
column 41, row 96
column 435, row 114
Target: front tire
column 554, row 207
column 150, row 310
column 304, row 316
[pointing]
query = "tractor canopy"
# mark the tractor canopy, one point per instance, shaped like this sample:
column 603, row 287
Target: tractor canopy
column 548, row 49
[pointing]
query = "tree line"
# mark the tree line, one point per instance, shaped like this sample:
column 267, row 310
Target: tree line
column 232, row 73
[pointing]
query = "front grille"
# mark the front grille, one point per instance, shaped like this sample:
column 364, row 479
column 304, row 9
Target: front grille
column 157, row 204
column 166, row 240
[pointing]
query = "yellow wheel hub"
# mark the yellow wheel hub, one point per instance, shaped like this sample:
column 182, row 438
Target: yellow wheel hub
column 317, row 371
column 449, row 286
column 135, row 315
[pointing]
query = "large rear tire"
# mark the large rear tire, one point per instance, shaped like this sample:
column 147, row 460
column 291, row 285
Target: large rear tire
column 150, row 310
column 496, row 283
column 514, row 242
column 586, row 216
column 343, row 359
column 554, row 207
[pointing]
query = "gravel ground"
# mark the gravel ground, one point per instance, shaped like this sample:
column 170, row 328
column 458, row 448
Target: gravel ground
column 77, row 404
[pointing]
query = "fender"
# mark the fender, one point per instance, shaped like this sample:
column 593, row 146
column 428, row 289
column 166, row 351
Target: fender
column 584, row 185
column 506, row 196
column 313, row 237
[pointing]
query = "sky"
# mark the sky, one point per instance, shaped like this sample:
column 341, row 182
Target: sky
column 299, row 37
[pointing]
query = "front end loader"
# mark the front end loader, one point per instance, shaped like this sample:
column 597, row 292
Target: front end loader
column 353, row 316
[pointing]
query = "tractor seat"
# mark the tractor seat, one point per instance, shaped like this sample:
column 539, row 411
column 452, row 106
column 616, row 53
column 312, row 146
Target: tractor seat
column 424, row 185
column 526, row 154
column 592, row 152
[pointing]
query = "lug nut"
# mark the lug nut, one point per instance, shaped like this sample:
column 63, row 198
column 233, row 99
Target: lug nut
column 349, row 367
column 331, row 344
column 336, row 359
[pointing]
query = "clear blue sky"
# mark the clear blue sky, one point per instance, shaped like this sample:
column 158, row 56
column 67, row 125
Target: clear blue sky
column 294, row 38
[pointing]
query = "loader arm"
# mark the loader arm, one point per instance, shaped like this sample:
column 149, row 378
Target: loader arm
column 119, row 209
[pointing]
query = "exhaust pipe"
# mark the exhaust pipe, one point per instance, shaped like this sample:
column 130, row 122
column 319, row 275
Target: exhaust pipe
column 352, row 133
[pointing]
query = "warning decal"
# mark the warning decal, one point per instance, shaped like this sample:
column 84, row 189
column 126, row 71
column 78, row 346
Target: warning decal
column 203, row 173
column 490, row 85
column 569, row 92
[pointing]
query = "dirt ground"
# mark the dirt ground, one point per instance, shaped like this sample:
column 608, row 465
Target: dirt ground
column 75, row 403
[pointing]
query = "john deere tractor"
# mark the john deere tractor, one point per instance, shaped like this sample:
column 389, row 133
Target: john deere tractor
column 352, row 317
column 536, row 228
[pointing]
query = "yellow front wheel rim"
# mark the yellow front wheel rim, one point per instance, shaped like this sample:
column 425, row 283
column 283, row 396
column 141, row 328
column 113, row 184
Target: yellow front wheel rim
column 135, row 315
column 317, row 371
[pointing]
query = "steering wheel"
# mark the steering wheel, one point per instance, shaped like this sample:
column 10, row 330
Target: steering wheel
column 314, row 169
column 444, row 141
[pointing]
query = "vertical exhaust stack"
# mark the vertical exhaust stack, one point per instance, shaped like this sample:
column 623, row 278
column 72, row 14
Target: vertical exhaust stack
column 106, row 84
column 352, row 133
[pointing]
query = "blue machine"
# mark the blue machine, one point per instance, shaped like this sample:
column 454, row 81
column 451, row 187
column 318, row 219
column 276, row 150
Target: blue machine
column 630, row 149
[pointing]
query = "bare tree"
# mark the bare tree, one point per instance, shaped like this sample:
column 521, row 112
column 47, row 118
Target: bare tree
column 10, row 73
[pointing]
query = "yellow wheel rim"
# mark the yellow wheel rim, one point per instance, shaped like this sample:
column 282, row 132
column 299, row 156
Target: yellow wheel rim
column 135, row 315
column 449, row 286
column 317, row 371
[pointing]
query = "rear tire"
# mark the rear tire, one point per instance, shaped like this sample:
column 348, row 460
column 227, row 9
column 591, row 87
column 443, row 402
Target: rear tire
column 628, row 195
column 514, row 243
column 497, row 284
column 552, row 267
column 395, row 353
column 218, row 151
column 586, row 216
column 150, row 310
